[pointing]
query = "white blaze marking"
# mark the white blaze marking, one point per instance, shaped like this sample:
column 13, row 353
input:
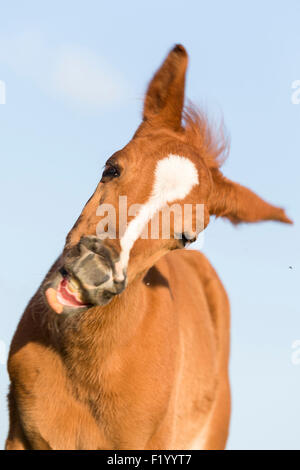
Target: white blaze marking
column 174, row 178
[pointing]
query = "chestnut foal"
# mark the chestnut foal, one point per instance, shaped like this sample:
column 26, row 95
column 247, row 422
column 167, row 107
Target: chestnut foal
column 125, row 345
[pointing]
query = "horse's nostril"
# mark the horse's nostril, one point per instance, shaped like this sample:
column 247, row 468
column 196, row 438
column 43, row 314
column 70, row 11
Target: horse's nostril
column 119, row 285
column 187, row 238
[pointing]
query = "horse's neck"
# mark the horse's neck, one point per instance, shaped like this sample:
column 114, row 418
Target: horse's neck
column 101, row 331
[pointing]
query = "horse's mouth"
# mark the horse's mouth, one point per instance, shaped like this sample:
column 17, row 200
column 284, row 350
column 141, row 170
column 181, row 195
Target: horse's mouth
column 86, row 277
column 69, row 293
column 66, row 295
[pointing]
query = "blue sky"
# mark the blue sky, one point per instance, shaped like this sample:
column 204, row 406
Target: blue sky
column 75, row 74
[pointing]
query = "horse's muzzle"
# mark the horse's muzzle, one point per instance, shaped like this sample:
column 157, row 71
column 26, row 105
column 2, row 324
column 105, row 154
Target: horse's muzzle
column 89, row 276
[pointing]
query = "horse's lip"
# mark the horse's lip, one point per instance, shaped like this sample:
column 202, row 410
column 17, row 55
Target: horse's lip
column 109, row 292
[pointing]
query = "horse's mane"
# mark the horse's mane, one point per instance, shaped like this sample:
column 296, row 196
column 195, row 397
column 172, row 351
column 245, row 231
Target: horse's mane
column 209, row 140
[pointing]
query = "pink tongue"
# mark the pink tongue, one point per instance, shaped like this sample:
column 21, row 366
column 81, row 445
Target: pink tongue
column 52, row 300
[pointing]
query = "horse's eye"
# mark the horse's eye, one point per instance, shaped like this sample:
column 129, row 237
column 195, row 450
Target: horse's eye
column 110, row 172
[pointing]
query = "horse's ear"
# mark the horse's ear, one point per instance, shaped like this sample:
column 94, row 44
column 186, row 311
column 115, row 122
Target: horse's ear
column 240, row 204
column 165, row 95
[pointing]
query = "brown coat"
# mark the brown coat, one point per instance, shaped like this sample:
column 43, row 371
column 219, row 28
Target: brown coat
column 141, row 361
